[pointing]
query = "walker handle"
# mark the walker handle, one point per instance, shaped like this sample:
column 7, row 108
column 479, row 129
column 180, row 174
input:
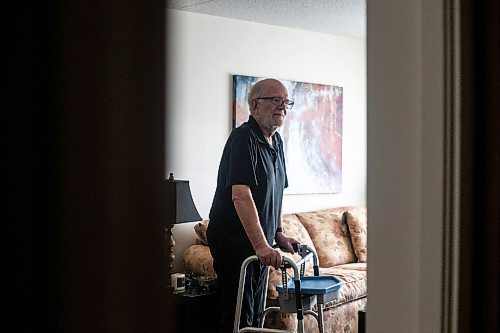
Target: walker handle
column 295, row 246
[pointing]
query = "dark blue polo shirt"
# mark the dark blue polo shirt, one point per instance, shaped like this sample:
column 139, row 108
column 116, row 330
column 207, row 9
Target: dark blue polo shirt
column 248, row 159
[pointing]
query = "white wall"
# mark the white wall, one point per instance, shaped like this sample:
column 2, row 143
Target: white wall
column 203, row 54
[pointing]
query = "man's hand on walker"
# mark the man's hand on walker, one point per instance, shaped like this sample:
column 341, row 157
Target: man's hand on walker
column 286, row 243
column 269, row 256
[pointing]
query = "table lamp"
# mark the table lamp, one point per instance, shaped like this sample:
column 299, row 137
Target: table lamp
column 181, row 209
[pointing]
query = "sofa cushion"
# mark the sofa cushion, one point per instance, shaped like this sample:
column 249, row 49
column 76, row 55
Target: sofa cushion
column 330, row 235
column 198, row 260
column 356, row 220
column 354, row 284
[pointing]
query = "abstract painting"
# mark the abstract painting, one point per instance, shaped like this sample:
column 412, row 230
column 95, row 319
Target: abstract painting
column 312, row 133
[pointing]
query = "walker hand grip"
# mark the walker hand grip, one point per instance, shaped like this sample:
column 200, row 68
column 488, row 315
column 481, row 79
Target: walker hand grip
column 295, row 246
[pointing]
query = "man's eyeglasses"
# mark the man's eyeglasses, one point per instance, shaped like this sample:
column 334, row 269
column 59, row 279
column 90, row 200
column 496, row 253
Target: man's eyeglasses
column 278, row 101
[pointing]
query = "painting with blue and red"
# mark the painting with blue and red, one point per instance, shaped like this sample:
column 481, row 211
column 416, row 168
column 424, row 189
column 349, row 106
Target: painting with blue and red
column 312, row 133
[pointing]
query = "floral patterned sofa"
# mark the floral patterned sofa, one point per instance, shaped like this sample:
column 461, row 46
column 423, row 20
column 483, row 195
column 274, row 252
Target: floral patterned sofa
column 338, row 235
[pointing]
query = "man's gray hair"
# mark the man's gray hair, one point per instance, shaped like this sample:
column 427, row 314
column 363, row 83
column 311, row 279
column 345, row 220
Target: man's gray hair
column 255, row 92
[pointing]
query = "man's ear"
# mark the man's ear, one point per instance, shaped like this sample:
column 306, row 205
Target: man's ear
column 253, row 105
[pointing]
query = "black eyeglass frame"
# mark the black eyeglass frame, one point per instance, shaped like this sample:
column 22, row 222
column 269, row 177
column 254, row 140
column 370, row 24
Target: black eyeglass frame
column 275, row 100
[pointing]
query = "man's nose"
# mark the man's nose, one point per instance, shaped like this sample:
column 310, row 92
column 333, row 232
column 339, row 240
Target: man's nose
column 282, row 107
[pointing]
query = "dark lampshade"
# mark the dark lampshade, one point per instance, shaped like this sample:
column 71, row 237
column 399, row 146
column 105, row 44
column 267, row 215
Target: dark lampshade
column 180, row 202
column 180, row 209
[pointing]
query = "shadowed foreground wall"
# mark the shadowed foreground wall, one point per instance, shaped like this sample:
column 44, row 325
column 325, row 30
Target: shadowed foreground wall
column 87, row 183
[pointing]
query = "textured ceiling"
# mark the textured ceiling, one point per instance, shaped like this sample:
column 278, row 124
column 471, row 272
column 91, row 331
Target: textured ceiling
column 337, row 17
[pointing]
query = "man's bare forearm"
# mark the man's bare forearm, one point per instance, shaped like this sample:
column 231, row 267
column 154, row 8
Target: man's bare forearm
column 247, row 212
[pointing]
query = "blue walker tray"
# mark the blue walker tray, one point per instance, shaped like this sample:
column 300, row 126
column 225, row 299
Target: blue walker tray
column 314, row 285
column 313, row 290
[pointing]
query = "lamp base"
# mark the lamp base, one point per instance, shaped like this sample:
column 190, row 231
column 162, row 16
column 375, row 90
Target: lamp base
column 169, row 240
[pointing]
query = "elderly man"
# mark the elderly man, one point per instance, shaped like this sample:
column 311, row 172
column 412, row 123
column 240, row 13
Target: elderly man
column 245, row 218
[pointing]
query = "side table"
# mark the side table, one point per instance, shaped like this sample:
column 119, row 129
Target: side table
column 196, row 312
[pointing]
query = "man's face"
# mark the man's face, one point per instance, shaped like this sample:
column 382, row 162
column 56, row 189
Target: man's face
column 268, row 114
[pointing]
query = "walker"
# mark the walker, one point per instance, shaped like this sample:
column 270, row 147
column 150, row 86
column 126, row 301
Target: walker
column 295, row 296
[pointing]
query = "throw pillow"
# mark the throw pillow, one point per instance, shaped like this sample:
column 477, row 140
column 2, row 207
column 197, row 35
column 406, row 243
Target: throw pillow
column 357, row 222
column 201, row 230
column 330, row 235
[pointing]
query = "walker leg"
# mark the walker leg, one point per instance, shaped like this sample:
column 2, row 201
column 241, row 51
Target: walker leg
column 300, row 326
column 320, row 318
column 239, row 299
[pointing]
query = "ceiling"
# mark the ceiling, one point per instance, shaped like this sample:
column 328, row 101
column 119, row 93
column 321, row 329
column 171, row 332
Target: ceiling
column 337, row 17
